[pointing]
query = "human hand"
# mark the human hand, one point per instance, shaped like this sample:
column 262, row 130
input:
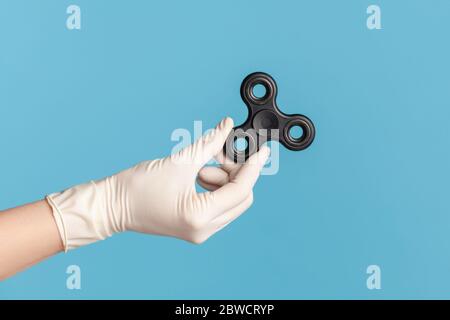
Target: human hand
column 159, row 196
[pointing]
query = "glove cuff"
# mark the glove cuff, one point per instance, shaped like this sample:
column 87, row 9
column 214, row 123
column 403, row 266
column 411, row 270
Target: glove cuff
column 82, row 213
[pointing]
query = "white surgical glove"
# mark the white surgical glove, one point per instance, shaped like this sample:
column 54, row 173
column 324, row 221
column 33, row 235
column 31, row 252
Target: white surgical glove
column 159, row 196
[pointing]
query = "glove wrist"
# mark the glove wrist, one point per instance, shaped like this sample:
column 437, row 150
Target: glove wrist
column 86, row 213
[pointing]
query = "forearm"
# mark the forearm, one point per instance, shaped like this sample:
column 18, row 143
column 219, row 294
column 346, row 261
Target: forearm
column 28, row 234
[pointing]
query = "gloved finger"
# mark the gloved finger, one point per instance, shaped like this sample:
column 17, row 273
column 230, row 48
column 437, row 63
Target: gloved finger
column 207, row 186
column 226, row 218
column 212, row 178
column 239, row 187
column 205, row 148
column 213, row 175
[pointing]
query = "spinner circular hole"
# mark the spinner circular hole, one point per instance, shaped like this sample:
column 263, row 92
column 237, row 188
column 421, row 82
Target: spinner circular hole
column 299, row 133
column 259, row 91
column 240, row 144
column 296, row 132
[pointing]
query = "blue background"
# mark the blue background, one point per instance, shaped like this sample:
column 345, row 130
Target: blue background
column 372, row 189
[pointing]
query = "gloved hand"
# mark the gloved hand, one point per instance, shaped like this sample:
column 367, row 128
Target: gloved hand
column 159, row 196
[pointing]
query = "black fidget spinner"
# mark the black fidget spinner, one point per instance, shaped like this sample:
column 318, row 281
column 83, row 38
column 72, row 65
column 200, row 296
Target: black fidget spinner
column 266, row 122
